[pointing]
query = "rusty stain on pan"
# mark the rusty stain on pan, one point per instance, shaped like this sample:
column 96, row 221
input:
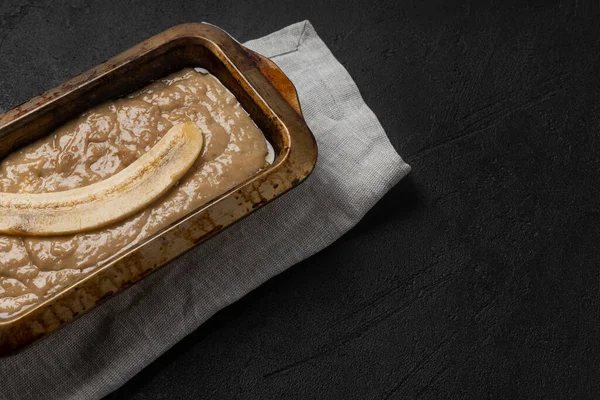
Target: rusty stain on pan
column 259, row 85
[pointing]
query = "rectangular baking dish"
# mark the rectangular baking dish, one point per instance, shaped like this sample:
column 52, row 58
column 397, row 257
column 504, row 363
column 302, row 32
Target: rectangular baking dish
column 261, row 88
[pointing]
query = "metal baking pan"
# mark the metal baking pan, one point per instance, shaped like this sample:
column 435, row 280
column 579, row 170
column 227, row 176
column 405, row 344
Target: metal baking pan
column 258, row 84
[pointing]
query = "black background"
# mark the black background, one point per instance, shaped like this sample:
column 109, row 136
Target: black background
column 476, row 277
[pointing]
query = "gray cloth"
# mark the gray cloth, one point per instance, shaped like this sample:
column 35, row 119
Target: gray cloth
column 357, row 165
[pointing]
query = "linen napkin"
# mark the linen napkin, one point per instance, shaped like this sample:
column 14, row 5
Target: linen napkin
column 357, row 165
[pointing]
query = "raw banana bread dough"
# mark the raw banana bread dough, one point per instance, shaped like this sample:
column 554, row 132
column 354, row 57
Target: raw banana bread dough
column 102, row 142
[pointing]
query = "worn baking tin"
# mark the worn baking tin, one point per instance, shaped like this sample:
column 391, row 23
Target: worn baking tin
column 262, row 89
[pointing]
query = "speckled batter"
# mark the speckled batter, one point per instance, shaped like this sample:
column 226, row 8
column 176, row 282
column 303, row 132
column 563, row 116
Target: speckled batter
column 102, row 142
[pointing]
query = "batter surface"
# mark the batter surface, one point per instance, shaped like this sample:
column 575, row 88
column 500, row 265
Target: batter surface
column 102, row 142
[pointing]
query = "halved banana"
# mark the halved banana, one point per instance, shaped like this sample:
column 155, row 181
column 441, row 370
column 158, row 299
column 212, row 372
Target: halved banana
column 105, row 202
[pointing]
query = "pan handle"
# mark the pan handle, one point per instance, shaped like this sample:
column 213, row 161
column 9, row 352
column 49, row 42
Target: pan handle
column 277, row 78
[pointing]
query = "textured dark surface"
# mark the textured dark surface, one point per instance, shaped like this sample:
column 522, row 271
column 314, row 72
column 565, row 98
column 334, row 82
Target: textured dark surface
column 476, row 277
